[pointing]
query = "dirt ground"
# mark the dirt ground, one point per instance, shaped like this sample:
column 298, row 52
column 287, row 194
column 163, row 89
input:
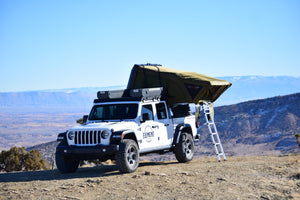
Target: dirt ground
column 260, row 177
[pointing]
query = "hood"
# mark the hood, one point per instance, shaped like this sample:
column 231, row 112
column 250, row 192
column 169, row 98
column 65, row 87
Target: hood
column 116, row 126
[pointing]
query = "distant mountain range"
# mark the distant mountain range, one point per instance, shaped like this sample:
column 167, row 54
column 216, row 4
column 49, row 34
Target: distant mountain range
column 80, row 99
column 54, row 100
column 246, row 88
column 243, row 88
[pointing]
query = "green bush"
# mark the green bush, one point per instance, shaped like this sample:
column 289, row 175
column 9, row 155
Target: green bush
column 18, row 159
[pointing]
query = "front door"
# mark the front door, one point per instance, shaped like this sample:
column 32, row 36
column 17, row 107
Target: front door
column 149, row 129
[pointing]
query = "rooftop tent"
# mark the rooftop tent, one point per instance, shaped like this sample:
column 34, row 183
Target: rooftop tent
column 180, row 86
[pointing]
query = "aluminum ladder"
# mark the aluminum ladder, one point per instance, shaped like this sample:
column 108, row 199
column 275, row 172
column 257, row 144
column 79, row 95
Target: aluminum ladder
column 206, row 106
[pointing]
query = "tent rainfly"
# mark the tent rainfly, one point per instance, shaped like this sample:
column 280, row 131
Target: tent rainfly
column 180, row 86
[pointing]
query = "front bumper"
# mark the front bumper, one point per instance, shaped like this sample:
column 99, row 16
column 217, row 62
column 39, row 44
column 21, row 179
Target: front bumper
column 88, row 152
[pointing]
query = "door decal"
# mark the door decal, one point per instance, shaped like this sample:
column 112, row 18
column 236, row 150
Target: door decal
column 148, row 134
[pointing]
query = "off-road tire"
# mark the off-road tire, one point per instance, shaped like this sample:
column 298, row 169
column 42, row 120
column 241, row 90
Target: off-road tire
column 65, row 164
column 127, row 159
column 184, row 150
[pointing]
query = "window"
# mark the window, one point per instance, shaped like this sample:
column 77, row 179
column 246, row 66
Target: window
column 114, row 111
column 148, row 109
column 161, row 111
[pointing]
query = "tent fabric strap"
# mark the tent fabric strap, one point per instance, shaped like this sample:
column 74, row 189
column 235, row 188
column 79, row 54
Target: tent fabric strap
column 145, row 77
column 159, row 77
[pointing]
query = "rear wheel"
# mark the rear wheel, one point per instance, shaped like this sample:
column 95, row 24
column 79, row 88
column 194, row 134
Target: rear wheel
column 65, row 164
column 127, row 158
column 184, row 150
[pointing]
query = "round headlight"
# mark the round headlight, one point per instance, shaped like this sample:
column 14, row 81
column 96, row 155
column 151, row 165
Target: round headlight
column 71, row 135
column 105, row 134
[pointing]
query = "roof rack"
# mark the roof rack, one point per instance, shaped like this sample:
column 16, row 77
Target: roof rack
column 148, row 64
column 142, row 94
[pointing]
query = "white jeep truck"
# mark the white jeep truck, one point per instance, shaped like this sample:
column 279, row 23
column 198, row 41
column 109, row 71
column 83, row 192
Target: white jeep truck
column 125, row 124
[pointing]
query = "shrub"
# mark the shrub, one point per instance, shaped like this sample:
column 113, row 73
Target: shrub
column 18, row 159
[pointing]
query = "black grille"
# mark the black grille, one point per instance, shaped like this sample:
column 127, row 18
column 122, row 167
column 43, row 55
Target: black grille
column 87, row 137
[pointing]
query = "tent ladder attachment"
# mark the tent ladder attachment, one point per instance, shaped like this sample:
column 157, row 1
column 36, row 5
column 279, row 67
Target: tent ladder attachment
column 208, row 113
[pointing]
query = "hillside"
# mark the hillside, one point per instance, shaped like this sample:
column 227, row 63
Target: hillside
column 259, row 127
column 263, row 177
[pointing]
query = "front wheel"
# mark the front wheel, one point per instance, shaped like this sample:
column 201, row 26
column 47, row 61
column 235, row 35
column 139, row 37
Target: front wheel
column 65, row 164
column 184, row 150
column 127, row 159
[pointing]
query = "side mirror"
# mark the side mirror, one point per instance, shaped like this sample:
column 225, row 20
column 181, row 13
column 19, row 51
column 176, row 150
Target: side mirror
column 84, row 119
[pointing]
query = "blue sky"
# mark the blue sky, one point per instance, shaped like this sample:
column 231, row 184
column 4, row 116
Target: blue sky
column 70, row 43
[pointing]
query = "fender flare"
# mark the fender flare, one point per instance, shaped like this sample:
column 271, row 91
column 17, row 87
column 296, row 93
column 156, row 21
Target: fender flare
column 178, row 132
column 62, row 137
column 118, row 136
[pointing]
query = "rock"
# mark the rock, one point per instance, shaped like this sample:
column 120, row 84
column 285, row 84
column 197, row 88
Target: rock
column 264, row 197
column 183, row 173
column 221, row 179
column 73, row 198
column 147, row 173
column 98, row 181
column 161, row 174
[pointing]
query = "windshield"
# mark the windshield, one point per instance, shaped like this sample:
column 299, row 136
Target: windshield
column 114, row 111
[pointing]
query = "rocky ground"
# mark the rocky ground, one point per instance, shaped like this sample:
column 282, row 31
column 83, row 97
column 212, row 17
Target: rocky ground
column 249, row 177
